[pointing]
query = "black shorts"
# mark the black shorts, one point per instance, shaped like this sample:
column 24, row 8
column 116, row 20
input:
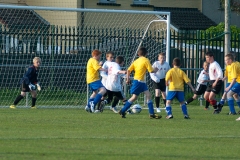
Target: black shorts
column 24, row 87
column 200, row 89
column 119, row 95
column 160, row 85
column 215, row 89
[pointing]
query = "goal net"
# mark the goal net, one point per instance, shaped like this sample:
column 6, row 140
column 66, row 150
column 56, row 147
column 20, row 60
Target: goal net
column 64, row 38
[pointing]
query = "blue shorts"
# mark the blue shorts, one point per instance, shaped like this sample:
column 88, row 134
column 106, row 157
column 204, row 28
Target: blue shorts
column 95, row 85
column 227, row 84
column 178, row 94
column 236, row 88
column 138, row 87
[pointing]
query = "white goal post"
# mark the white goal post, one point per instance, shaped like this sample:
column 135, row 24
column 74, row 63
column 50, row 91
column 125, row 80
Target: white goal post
column 64, row 38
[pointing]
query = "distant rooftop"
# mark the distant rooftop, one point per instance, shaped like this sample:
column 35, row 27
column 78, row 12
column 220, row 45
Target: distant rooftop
column 16, row 18
column 187, row 18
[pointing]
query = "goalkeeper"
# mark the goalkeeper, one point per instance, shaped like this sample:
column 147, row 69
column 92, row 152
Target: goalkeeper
column 29, row 83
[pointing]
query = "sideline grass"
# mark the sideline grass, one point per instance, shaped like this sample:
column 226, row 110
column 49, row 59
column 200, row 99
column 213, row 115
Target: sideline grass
column 75, row 134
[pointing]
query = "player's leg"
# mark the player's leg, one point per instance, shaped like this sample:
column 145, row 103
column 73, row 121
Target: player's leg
column 150, row 105
column 180, row 97
column 163, row 90
column 101, row 92
column 34, row 99
column 206, row 97
column 157, row 99
column 24, row 88
column 235, row 89
column 118, row 96
column 135, row 90
column 170, row 96
column 237, row 99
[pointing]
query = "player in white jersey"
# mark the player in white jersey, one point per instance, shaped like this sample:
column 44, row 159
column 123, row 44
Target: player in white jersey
column 113, row 83
column 159, row 79
column 103, row 74
column 202, row 81
column 215, row 76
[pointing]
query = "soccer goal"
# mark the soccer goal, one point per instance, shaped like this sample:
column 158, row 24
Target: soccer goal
column 64, row 38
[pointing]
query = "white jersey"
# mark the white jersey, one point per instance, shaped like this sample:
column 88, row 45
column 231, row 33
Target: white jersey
column 215, row 71
column 161, row 73
column 113, row 82
column 203, row 76
column 103, row 73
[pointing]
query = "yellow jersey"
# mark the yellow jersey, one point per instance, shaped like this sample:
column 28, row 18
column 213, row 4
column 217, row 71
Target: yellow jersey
column 140, row 66
column 227, row 74
column 92, row 70
column 235, row 71
column 176, row 77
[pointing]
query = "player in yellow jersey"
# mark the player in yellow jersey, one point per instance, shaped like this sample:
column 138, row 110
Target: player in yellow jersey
column 227, row 76
column 93, row 80
column 176, row 78
column 234, row 86
column 140, row 66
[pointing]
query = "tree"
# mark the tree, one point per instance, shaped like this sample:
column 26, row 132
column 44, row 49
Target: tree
column 235, row 5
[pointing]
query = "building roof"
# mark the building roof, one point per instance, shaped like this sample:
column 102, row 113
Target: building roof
column 24, row 19
column 187, row 18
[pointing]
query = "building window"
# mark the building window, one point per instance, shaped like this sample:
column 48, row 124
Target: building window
column 140, row 1
column 107, row 1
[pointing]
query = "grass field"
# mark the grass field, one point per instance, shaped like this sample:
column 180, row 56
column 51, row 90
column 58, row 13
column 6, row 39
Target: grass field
column 75, row 134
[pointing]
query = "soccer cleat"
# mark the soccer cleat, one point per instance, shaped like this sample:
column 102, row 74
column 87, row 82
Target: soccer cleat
column 97, row 111
column 92, row 107
column 114, row 109
column 13, row 107
column 156, row 116
column 238, row 119
column 101, row 107
column 122, row 114
column 33, row 107
column 87, row 109
column 220, row 107
column 186, row 117
column 158, row 110
column 216, row 111
column 230, row 113
column 169, row 117
column 129, row 111
column 186, row 103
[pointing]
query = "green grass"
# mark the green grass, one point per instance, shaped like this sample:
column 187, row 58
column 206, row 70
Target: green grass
column 75, row 134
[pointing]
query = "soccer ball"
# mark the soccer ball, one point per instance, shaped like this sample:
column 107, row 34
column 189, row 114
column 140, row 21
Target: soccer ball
column 136, row 108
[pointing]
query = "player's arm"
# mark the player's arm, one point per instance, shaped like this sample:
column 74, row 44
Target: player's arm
column 168, row 77
column 150, row 68
column 122, row 72
column 97, row 67
column 154, row 77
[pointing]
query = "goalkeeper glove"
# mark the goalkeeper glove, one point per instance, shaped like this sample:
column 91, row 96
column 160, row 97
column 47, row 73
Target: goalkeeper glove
column 38, row 87
column 32, row 87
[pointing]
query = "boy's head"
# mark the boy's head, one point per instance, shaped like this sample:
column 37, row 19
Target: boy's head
column 120, row 60
column 209, row 57
column 109, row 56
column 234, row 54
column 205, row 65
column 142, row 51
column 176, row 62
column 96, row 54
column 162, row 57
column 37, row 62
column 229, row 59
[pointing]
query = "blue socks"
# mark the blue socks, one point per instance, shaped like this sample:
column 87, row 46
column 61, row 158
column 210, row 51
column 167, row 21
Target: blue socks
column 169, row 110
column 126, row 106
column 184, row 109
column 231, row 105
column 150, row 107
column 222, row 101
column 89, row 100
column 97, row 99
